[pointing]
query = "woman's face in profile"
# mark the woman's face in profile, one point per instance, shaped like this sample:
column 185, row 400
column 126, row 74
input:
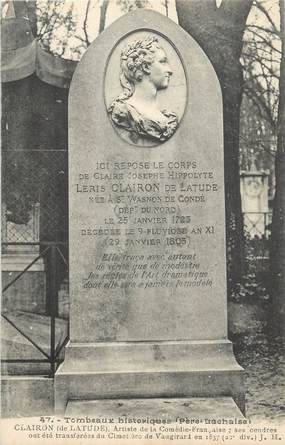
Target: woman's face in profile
column 159, row 70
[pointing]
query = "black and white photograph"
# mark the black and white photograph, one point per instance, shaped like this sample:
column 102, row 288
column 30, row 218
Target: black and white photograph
column 143, row 222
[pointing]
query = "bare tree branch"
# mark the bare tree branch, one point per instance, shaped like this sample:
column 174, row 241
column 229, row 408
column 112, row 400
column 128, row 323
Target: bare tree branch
column 261, row 8
column 84, row 27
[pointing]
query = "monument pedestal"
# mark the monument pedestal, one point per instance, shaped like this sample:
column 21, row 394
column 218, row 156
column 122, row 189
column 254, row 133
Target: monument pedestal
column 148, row 370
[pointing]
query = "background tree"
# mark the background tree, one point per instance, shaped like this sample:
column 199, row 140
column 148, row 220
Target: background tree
column 103, row 13
column 219, row 31
column 55, row 25
column 66, row 29
column 131, row 5
column 262, row 131
column 261, row 68
column 277, row 253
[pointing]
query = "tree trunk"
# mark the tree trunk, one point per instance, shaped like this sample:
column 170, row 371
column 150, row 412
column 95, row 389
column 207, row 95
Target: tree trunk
column 103, row 12
column 32, row 15
column 277, row 248
column 20, row 8
column 219, row 31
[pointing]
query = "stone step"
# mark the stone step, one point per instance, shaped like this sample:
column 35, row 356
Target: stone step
column 159, row 408
column 152, row 370
column 26, row 396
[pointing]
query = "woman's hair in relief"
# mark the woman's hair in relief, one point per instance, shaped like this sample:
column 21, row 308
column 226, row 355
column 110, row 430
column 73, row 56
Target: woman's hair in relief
column 136, row 57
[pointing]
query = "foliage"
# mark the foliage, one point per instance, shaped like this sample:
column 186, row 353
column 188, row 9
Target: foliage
column 131, row 5
column 66, row 29
column 250, row 290
column 263, row 130
column 55, row 25
column 253, row 285
column 261, row 69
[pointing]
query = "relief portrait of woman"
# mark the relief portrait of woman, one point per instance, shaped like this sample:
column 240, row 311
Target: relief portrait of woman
column 145, row 70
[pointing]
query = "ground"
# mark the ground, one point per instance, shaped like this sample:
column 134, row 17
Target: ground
column 263, row 361
column 259, row 354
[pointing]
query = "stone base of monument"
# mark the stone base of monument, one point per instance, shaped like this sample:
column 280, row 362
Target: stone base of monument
column 148, row 370
column 171, row 409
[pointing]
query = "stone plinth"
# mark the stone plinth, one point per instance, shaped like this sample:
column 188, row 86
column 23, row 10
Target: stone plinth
column 148, row 300
column 171, row 409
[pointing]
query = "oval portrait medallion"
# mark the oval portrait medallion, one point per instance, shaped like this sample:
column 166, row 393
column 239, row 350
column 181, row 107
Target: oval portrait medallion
column 145, row 89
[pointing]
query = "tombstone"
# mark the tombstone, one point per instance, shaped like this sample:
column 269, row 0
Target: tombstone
column 254, row 200
column 148, row 300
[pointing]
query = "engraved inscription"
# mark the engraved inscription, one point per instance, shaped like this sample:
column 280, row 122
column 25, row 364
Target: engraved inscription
column 149, row 206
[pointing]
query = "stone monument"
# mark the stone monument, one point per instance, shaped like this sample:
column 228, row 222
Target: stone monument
column 148, row 300
column 254, row 201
